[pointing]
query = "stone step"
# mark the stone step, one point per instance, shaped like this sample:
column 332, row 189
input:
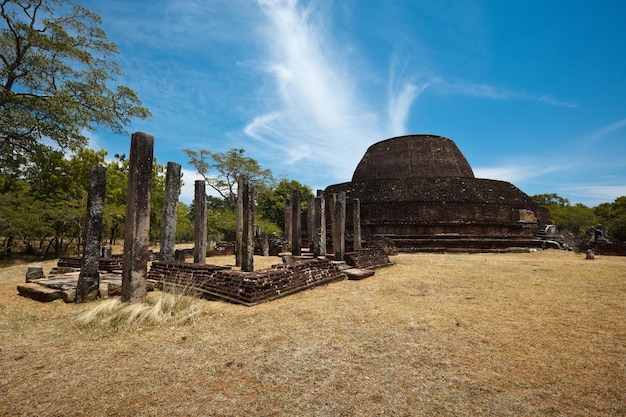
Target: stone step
column 356, row 274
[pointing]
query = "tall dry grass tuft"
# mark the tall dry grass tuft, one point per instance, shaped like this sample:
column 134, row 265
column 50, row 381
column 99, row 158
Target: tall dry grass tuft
column 159, row 309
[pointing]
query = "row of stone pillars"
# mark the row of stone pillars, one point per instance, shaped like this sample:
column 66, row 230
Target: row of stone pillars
column 137, row 224
column 316, row 223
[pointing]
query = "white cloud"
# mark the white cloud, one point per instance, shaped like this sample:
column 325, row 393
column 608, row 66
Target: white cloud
column 319, row 113
column 496, row 93
column 608, row 129
column 187, row 192
column 596, row 193
column 516, row 173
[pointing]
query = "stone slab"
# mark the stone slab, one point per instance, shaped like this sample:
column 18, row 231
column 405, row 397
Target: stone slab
column 39, row 292
column 358, row 274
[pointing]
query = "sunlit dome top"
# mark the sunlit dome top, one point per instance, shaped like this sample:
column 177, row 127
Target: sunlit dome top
column 412, row 156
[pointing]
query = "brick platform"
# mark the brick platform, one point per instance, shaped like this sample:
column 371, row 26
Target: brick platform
column 104, row 264
column 248, row 288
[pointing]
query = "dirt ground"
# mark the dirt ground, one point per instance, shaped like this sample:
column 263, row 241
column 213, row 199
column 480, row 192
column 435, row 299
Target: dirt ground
column 535, row 334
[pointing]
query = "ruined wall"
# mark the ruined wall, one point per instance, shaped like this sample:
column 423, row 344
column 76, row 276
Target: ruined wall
column 367, row 258
column 247, row 288
column 104, row 264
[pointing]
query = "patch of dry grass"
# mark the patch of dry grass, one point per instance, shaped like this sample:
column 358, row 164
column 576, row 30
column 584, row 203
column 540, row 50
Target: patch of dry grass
column 159, row 309
column 433, row 335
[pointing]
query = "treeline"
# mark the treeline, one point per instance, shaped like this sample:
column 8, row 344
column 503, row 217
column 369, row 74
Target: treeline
column 578, row 218
column 43, row 204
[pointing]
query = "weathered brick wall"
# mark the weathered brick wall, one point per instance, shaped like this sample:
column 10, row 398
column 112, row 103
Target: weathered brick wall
column 104, row 264
column 247, row 288
column 367, row 258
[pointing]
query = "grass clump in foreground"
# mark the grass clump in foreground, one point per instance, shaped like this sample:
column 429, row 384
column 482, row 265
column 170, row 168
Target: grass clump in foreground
column 174, row 307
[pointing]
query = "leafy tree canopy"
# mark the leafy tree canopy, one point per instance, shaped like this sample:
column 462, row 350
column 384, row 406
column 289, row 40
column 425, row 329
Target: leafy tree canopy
column 57, row 79
column 613, row 217
column 221, row 171
column 271, row 202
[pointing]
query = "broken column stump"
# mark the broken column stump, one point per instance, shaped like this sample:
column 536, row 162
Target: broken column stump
column 34, row 272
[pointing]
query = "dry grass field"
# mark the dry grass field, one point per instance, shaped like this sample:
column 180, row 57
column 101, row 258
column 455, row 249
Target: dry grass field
column 538, row 334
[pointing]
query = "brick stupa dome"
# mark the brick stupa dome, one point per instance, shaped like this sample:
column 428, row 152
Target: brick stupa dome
column 412, row 156
column 420, row 192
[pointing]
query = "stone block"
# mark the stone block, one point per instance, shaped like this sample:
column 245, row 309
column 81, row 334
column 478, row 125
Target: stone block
column 39, row 292
column 34, row 272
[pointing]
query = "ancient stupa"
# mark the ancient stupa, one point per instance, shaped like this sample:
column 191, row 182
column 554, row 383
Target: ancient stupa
column 420, row 192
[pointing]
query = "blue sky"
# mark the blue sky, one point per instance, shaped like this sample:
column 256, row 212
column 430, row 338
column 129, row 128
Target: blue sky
column 532, row 92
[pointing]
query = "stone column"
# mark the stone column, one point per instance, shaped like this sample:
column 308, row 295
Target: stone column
column 339, row 225
column 296, row 224
column 199, row 203
column 356, row 223
column 107, row 251
column 239, row 223
column 89, row 278
column 310, row 219
column 319, row 226
column 265, row 244
column 137, row 224
column 170, row 212
column 288, row 221
column 247, row 243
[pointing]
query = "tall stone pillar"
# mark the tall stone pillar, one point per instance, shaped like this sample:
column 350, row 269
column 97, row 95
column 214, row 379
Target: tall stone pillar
column 288, row 227
column 239, row 222
column 89, row 278
column 247, row 243
column 319, row 226
column 137, row 224
column 356, row 223
column 199, row 203
column 296, row 224
column 170, row 212
column 339, row 225
column 310, row 219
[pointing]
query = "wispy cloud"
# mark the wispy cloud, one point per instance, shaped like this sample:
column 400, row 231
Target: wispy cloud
column 319, row 110
column 516, row 173
column 496, row 92
column 606, row 130
column 595, row 194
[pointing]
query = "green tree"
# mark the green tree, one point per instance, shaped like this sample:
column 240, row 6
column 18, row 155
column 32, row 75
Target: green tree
column 221, row 171
column 57, row 77
column 185, row 227
column 613, row 217
column 553, row 199
column 574, row 218
column 271, row 202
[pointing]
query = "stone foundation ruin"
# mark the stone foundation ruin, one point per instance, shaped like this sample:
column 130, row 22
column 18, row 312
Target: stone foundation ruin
column 248, row 288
